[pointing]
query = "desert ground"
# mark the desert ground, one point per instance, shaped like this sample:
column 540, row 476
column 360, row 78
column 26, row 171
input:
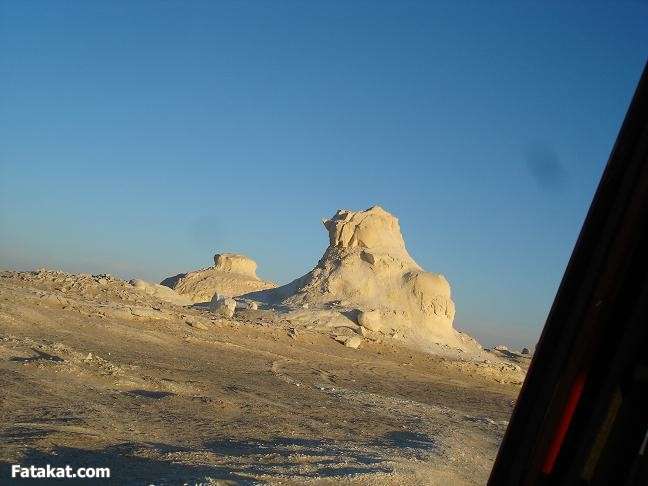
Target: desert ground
column 97, row 372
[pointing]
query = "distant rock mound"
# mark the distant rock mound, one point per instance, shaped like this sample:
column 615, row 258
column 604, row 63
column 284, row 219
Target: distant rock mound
column 161, row 292
column 230, row 276
column 367, row 268
column 234, row 263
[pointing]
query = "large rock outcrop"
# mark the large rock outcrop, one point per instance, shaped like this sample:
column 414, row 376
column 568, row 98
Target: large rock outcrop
column 367, row 269
column 230, row 276
column 236, row 264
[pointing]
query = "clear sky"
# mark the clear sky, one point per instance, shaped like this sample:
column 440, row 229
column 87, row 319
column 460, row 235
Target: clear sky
column 138, row 138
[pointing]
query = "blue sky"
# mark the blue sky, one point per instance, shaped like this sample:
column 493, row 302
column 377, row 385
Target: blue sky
column 138, row 138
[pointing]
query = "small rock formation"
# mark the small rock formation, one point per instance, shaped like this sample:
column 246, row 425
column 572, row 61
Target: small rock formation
column 223, row 306
column 232, row 275
column 161, row 292
column 525, row 351
column 367, row 270
column 353, row 342
column 234, row 263
column 500, row 347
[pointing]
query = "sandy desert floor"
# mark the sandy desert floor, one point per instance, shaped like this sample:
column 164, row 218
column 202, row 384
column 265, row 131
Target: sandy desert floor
column 95, row 373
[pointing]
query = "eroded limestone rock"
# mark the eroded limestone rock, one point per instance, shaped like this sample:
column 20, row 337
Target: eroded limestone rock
column 223, row 306
column 367, row 268
column 235, row 263
column 232, row 275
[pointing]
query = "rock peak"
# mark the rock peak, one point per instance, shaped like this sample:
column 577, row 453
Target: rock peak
column 371, row 228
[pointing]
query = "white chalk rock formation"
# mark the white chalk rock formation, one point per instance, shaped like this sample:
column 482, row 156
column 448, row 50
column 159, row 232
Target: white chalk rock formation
column 232, row 275
column 223, row 306
column 367, row 267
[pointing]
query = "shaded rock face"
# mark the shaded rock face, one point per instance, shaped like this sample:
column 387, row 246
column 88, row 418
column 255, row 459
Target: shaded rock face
column 367, row 267
column 232, row 275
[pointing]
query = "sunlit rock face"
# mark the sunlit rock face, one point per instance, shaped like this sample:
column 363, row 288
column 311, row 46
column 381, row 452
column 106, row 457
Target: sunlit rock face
column 367, row 267
column 235, row 263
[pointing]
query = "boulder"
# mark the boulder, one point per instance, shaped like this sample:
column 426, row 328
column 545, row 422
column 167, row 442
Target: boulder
column 353, row 342
column 370, row 319
column 223, row 306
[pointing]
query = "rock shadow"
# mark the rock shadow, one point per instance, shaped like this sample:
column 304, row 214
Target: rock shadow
column 247, row 461
column 324, row 458
column 156, row 395
column 412, row 443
